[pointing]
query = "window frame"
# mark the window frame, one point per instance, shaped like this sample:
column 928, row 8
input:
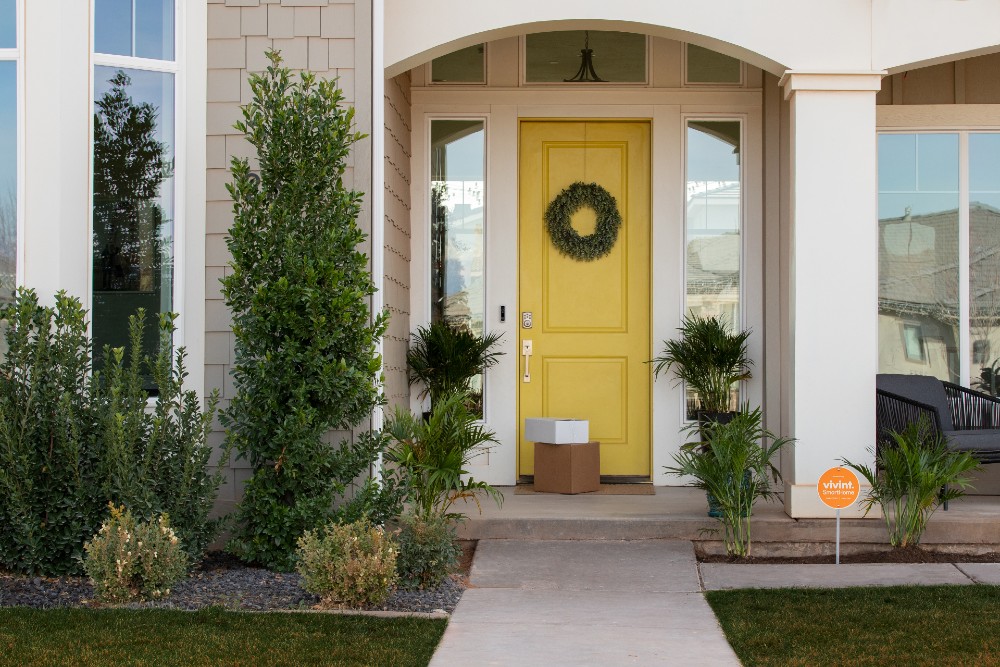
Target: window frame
column 685, row 82
column 429, row 71
column 427, row 311
column 16, row 55
column 176, row 68
column 895, row 122
column 523, row 69
column 744, row 307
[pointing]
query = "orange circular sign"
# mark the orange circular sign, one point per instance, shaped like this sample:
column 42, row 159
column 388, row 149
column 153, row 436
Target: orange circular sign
column 838, row 488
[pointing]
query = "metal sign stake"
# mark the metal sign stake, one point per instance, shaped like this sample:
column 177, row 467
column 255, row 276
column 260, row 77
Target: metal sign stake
column 838, row 537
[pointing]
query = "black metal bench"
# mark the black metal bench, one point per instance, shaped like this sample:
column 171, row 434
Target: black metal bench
column 969, row 420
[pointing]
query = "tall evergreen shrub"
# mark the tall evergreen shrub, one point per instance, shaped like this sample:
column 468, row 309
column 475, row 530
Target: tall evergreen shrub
column 305, row 357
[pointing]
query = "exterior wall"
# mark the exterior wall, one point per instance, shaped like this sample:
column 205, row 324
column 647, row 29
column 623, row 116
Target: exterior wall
column 397, row 236
column 332, row 39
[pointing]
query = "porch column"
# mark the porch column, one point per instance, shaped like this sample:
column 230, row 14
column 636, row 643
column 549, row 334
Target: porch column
column 832, row 312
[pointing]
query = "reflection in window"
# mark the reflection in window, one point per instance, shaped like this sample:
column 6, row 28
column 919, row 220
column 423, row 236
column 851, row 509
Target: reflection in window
column 466, row 65
column 8, row 23
column 133, row 202
column 555, row 57
column 140, row 28
column 714, row 222
column 984, row 249
column 918, row 254
column 8, row 155
column 458, row 246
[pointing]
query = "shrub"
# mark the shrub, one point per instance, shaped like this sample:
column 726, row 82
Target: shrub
column 913, row 478
column 734, row 466
column 305, row 356
column 351, row 564
column 157, row 460
column 130, row 560
column 428, row 551
column 70, row 443
column 433, row 455
column 49, row 499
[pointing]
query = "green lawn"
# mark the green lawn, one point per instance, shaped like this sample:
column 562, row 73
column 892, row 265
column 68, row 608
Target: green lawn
column 211, row 637
column 933, row 625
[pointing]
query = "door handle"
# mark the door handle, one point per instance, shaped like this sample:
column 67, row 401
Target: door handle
column 526, row 350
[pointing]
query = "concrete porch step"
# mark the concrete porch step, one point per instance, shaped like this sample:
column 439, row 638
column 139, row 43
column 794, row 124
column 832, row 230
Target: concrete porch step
column 971, row 525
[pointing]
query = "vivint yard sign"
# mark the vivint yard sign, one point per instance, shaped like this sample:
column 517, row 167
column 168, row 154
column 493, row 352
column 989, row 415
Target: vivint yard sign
column 838, row 488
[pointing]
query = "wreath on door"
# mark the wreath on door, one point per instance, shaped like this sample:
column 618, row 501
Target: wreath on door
column 567, row 240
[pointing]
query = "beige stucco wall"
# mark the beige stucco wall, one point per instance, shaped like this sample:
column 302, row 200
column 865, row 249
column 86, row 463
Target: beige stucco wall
column 331, row 38
column 397, row 246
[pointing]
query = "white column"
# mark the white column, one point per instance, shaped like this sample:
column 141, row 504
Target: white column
column 378, row 181
column 832, row 315
column 57, row 147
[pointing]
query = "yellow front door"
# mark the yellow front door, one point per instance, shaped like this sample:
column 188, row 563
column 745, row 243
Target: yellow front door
column 590, row 320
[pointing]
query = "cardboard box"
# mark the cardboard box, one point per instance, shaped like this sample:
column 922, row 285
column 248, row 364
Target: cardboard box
column 557, row 431
column 568, row 468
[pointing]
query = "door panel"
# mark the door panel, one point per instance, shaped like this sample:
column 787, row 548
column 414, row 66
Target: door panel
column 591, row 333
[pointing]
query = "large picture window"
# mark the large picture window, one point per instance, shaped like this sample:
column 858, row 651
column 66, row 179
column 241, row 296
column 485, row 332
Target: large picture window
column 939, row 255
column 9, row 154
column 134, row 162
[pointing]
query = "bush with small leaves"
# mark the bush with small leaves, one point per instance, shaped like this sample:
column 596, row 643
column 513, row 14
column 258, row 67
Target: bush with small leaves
column 349, row 564
column 130, row 560
column 428, row 550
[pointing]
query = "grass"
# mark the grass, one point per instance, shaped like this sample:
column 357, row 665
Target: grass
column 933, row 625
column 211, row 637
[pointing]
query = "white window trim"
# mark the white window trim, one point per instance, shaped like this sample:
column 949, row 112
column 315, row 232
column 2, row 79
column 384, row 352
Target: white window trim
column 962, row 129
column 175, row 67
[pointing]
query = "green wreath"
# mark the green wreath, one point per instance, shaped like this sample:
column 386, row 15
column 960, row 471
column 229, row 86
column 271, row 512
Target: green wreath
column 566, row 239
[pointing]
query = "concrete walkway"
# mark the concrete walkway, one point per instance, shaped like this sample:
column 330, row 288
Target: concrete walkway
column 727, row 576
column 571, row 602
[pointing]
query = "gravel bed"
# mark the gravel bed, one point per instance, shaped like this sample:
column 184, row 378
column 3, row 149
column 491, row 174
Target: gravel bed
column 219, row 581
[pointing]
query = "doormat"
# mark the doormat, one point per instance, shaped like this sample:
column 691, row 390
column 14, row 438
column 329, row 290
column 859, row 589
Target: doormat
column 604, row 490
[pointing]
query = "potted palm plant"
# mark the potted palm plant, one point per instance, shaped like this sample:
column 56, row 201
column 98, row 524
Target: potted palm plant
column 709, row 358
column 741, row 449
column 445, row 357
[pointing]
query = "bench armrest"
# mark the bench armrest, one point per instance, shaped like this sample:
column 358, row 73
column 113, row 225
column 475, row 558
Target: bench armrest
column 893, row 413
column 971, row 410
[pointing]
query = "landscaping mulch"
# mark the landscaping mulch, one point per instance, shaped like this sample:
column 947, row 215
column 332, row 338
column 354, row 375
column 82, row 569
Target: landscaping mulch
column 901, row 555
column 221, row 581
